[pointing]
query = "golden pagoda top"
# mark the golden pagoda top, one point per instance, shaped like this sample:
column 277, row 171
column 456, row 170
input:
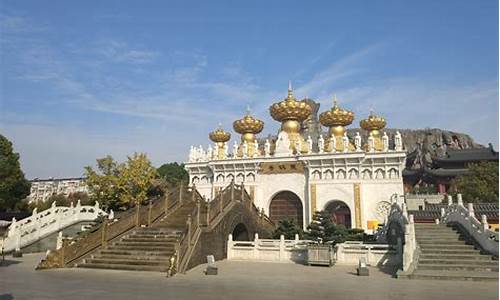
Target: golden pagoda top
column 336, row 116
column 219, row 135
column 290, row 108
column 248, row 124
column 373, row 122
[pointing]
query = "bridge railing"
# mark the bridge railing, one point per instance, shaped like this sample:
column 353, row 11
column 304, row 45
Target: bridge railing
column 215, row 211
column 457, row 213
column 140, row 215
column 41, row 224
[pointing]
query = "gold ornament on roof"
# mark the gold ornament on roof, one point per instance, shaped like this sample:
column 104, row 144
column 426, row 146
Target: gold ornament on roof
column 290, row 109
column 219, row 135
column 248, row 124
column 373, row 123
column 336, row 116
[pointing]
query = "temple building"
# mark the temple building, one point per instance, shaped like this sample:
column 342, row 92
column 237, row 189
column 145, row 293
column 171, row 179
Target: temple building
column 444, row 168
column 296, row 174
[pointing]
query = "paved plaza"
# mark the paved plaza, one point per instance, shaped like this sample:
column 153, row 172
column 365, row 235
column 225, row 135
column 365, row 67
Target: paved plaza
column 236, row 280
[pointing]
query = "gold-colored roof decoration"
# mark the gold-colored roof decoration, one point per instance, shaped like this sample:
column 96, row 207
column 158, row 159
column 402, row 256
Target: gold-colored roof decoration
column 373, row 122
column 248, row 124
column 219, row 135
column 290, row 108
column 336, row 116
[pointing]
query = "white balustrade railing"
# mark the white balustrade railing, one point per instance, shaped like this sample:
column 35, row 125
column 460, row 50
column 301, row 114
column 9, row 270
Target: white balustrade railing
column 349, row 253
column 399, row 214
column 477, row 230
column 22, row 233
column 268, row 250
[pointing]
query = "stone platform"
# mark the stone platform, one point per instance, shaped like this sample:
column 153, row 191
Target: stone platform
column 236, row 280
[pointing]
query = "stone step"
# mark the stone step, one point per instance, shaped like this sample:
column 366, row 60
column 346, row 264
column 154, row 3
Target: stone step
column 455, row 257
column 123, row 267
column 139, row 248
column 443, row 243
column 446, row 251
column 440, row 246
column 136, row 253
column 447, row 261
column 133, row 257
column 147, row 240
column 127, row 261
column 452, row 275
column 457, row 267
column 149, row 243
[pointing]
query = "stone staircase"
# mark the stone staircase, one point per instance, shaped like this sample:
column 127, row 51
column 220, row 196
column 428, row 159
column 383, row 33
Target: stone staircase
column 145, row 248
column 446, row 254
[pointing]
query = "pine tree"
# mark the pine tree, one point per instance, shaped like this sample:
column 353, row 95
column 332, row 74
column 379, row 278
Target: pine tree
column 13, row 185
column 320, row 225
column 288, row 228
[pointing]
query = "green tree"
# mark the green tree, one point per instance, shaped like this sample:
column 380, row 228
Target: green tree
column 136, row 178
column 103, row 183
column 13, row 185
column 288, row 228
column 323, row 229
column 173, row 173
column 480, row 183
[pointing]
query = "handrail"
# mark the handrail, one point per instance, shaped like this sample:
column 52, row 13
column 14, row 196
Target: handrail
column 478, row 230
column 42, row 224
column 140, row 215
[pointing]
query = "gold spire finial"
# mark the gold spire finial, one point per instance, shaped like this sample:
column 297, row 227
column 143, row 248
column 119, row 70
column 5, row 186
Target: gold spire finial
column 334, row 100
column 290, row 90
column 248, row 110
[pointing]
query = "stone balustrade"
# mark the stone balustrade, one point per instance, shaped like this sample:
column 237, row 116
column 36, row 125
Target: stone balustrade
column 285, row 251
column 22, row 233
column 199, row 154
column 478, row 230
column 349, row 253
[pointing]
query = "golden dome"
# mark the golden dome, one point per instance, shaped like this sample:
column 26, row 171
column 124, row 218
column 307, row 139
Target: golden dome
column 290, row 109
column 248, row 124
column 373, row 122
column 336, row 116
column 219, row 135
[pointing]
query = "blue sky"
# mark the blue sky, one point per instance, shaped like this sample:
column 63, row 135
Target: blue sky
column 82, row 79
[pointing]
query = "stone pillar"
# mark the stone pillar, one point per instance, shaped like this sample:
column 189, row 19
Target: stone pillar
column 484, row 222
column 282, row 247
column 459, row 200
column 450, row 200
column 470, row 208
column 229, row 247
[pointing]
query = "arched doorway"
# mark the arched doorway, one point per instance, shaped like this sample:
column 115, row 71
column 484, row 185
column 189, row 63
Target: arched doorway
column 286, row 205
column 240, row 233
column 339, row 213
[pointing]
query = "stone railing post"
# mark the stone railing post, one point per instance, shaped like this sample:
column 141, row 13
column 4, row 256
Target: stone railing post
column 12, row 228
column 193, row 193
column 296, row 238
column 256, row 246
column 96, row 209
column 242, row 192
column 104, row 233
column 221, row 203
column 484, row 222
column 59, row 240
column 470, row 208
column 208, row 213
column 165, row 207
column 198, row 208
column 459, row 200
column 150, row 211
column 450, row 200
column 181, row 187
column 232, row 190
column 404, row 210
column 229, row 246
column 340, row 252
column 188, row 222
column 282, row 247
column 138, row 214
column 443, row 212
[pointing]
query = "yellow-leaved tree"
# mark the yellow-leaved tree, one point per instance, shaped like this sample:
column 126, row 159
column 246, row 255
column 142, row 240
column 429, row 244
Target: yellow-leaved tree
column 136, row 178
column 119, row 186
